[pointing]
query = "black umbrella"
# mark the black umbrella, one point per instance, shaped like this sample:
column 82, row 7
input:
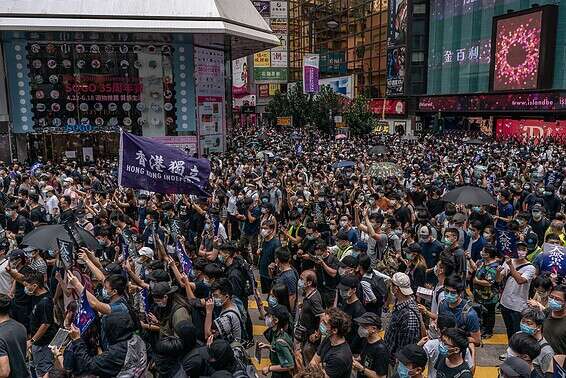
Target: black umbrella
column 376, row 150
column 469, row 195
column 45, row 237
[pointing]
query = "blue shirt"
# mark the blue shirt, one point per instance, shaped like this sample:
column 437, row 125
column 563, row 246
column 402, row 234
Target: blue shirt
column 267, row 256
column 431, row 252
column 476, row 248
column 469, row 323
column 252, row 228
column 505, row 211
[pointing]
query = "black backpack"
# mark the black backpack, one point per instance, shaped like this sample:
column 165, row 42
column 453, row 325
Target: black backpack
column 378, row 287
column 249, row 279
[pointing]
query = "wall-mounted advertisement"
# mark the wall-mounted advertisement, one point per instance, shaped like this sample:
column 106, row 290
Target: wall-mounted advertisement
column 528, row 129
column 278, row 9
column 209, row 80
column 186, row 143
column 262, row 59
column 396, row 67
column 311, row 73
column 523, row 56
column 396, row 47
column 240, row 77
column 342, row 85
column 263, row 8
column 211, row 144
column 278, row 58
column 267, row 74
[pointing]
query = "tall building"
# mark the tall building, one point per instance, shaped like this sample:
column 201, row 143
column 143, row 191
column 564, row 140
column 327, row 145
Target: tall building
column 496, row 65
column 349, row 35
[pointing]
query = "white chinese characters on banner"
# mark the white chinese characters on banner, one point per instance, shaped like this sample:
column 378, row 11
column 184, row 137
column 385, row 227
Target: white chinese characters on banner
column 158, row 165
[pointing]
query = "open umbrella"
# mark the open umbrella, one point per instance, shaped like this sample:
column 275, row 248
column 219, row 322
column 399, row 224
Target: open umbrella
column 45, row 237
column 343, row 164
column 469, row 195
column 340, row 136
column 265, row 155
column 385, row 169
column 474, row 141
column 376, row 150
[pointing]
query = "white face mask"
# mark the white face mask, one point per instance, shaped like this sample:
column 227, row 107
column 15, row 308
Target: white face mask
column 264, row 233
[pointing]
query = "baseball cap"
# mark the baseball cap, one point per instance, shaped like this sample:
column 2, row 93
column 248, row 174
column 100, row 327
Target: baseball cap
column 69, row 180
column 348, row 282
column 48, row 188
column 537, row 207
column 522, row 244
column 369, row 318
column 403, row 282
column 515, row 367
column 412, row 354
column 158, row 275
column 113, row 268
column 532, row 241
column 146, row 251
column 280, row 312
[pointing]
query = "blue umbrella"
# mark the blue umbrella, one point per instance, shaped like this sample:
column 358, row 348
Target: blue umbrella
column 343, row 164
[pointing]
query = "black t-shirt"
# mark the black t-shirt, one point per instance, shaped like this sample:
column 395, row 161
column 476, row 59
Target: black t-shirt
column 443, row 371
column 13, row 344
column 42, row 313
column 38, row 214
column 374, row 357
column 336, row 360
column 325, row 282
column 354, row 310
column 312, row 308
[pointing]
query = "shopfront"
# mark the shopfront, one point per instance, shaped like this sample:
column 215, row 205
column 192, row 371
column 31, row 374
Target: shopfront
column 72, row 85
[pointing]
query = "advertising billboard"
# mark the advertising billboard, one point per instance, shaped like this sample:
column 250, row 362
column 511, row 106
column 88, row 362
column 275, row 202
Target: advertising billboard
column 342, row 85
column 526, row 129
column 523, row 53
column 396, row 47
column 240, row 76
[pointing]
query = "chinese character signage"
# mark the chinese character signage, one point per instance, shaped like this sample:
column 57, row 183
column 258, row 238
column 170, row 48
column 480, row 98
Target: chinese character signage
column 149, row 165
column 262, row 59
column 311, row 73
column 270, row 74
column 279, row 59
column 263, row 90
column 278, row 9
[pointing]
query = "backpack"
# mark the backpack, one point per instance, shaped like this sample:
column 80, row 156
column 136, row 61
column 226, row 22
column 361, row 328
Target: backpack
column 378, row 287
column 249, row 279
column 243, row 360
column 242, row 317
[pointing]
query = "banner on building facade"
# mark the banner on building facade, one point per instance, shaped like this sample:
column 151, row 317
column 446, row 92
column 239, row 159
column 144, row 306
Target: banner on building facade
column 311, row 73
column 149, row 165
column 240, row 77
column 396, row 47
column 262, row 59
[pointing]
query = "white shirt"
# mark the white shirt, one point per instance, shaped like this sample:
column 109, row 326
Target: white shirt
column 5, row 279
column 515, row 296
column 51, row 204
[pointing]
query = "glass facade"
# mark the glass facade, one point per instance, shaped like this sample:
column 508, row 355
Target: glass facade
column 349, row 35
column 460, row 43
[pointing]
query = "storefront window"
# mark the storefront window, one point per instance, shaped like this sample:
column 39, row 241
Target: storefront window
column 81, row 86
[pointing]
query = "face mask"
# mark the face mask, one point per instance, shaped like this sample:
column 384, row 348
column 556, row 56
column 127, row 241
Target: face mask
column 402, row 370
column 301, row 284
column 268, row 322
column 409, row 257
column 363, row 332
column 554, row 305
column 264, row 211
column 105, row 295
column 341, row 271
column 272, row 301
column 476, row 209
column 446, row 242
column 27, row 291
column 264, row 233
column 451, row 297
column 218, row 302
column 161, row 304
column 221, row 258
column 435, row 270
column 521, row 254
column 442, row 349
column 323, row 330
column 343, row 224
column 528, row 330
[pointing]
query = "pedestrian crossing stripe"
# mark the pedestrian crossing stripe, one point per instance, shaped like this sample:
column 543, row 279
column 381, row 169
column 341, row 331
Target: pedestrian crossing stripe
column 481, row 371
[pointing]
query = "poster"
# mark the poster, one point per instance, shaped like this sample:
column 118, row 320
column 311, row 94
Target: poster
column 528, row 129
column 210, row 92
column 263, row 8
column 278, row 9
column 210, row 114
column 311, row 73
column 88, row 154
column 397, row 23
column 262, row 59
column 396, row 71
column 342, row 85
column 279, row 59
column 263, row 90
column 187, row 143
column 211, row 143
column 240, row 77
column 274, row 88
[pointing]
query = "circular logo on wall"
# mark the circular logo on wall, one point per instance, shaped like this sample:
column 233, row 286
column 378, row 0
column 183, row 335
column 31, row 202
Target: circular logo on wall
column 109, row 49
column 140, row 106
column 55, row 107
column 56, row 122
column 70, row 106
column 39, row 94
column 40, row 107
column 126, row 106
column 51, row 63
column 71, row 121
column 98, row 107
column 35, row 48
column 83, row 107
column 94, row 49
column 124, row 49
column 112, row 107
column 54, row 94
column 67, row 63
column 36, row 64
column 80, row 49
column 99, row 121
column 95, row 64
column 53, row 79
column 168, row 106
column 127, row 121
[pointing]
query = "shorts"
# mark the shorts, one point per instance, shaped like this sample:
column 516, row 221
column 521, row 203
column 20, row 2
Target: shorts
column 42, row 359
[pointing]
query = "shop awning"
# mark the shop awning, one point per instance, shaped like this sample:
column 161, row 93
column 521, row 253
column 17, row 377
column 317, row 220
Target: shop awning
column 238, row 19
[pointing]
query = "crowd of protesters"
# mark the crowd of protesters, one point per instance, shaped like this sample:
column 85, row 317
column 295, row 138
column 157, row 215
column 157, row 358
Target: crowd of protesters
column 355, row 271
